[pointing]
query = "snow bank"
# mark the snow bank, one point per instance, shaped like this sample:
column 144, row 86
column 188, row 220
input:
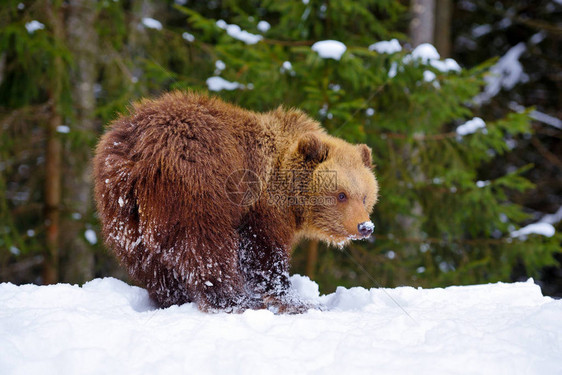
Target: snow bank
column 109, row 327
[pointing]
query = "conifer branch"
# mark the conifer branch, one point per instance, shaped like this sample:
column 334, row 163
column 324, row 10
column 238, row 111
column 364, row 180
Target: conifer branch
column 441, row 241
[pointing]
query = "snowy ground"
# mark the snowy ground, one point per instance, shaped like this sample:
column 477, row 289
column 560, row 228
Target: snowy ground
column 109, row 327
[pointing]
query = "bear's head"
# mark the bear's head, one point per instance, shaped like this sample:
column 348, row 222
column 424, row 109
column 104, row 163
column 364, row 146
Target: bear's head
column 342, row 191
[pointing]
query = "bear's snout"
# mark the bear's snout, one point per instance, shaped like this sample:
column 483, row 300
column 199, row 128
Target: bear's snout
column 366, row 228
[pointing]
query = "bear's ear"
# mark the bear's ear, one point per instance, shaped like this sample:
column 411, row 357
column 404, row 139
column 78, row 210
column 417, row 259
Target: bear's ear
column 366, row 155
column 312, row 148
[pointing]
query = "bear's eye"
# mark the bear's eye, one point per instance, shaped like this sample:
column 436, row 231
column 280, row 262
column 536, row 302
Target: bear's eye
column 365, row 200
column 342, row 197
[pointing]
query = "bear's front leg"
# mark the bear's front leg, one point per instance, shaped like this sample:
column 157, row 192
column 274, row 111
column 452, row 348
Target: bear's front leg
column 264, row 261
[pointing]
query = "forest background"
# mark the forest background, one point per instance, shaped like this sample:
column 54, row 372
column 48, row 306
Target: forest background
column 466, row 136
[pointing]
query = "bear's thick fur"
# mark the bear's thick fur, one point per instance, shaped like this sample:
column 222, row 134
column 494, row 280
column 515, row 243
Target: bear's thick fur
column 202, row 200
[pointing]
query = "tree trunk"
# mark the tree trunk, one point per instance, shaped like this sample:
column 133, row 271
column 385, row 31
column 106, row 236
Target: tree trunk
column 442, row 30
column 422, row 29
column 52, row 199
column 312, row 259
column 2, row 66
column 423, row 22
column 139, row 41
column 53, row 159
column 83, row 43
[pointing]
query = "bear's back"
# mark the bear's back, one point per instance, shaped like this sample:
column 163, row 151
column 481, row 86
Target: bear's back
column 159, row 163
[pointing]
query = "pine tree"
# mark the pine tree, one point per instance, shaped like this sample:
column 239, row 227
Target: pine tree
column 524, row 37
column 35, row 88
column 401, row 105
column 52, row 105
column 407, row 105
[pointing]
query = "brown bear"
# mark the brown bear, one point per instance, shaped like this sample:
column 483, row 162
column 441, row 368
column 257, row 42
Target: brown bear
column 202, row 201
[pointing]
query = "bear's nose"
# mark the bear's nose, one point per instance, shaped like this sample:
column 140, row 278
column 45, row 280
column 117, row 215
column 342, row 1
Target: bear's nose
column 366, row 228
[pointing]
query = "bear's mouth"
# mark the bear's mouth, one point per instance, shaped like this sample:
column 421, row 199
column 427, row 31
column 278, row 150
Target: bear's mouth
column 340, row 240
column 354, row 237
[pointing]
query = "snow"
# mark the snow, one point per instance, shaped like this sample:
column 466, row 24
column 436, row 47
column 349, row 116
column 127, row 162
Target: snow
column 538, row 116
column 446, row 65
column 237, row 33
column 219, row 83
column 425, row 52
column 33, row 26
column 287, row 67
column 220, row 65
column 553, row 218
column 329, row 49
column 109, row 327
column 429, row 76
column 506, row 73
column 188, row 36
column 151, row 23
column 538, row 37
column 91, row 236
column 389, row 47
column 63, row 129
column 471, row 126
column 481, row 30
column 393, row 70
column 334, row 87
column 369, row 225
column 263, row 26
column 505, row 23
column 546, row 119
column 543, row 229
column 482, row 184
